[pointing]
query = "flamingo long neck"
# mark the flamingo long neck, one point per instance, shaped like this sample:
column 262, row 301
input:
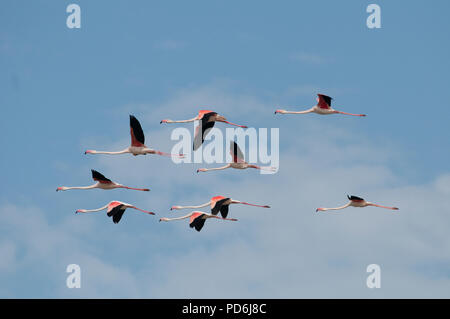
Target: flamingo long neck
column 298, row 112
column 199, row 206
column 109, row 153
column 83, row 187
column 178, row 218
column 182, row 121
column 336, row 208
column 93, row 210
column 217, row 168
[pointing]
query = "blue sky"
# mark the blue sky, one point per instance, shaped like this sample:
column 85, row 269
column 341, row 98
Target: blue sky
column 67, row 90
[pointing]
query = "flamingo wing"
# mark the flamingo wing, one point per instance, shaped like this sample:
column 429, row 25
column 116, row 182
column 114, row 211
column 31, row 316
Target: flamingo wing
column 197, row 221
column 205, row 113
column 96, row 176
column 219, row 206
column 355, row 198
column 224, row 210
column 324, row 101
column 137, row 134
column 236, row 153
column 205, row 126
column 116, row 212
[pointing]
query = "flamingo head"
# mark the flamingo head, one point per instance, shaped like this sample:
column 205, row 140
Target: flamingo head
column 175, row 207
column 319, row 209
column 280, row 111
column 62, row 188
column 89, row 152
column 163, row 219
column 163, row 121
column 80, row 211
column 201, row 170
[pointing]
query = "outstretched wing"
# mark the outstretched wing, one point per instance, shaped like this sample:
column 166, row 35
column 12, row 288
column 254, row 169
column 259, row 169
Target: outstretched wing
column 224, row 210
column 96, row 176
column 116, row 212
column 197, row 221
column 236, row 153
column 218, row 206
column 324, row 101
column 355, row 198
column 137, row 135
column 205, row 125
column 205, row 113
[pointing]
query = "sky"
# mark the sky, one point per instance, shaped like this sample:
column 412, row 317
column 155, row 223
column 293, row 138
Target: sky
column 67, row 90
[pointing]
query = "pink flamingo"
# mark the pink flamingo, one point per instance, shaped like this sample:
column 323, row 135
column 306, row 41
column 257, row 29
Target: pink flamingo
column 102, row 183
column 323, row 107
column 219, row 203
column 238, row 161
column 208, row 119
column 355, row 202
column 137, row 143
column 196, row 219
column 115, row 209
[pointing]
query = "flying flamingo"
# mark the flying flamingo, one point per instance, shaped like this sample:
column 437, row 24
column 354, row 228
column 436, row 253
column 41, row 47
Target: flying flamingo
column 137, row 143
column 323, row 107
column 115, row 209
column 219, row 203
column 196, row 219
column 208, row 119
column 355, row 202
column 102, row 183
column 238, row 161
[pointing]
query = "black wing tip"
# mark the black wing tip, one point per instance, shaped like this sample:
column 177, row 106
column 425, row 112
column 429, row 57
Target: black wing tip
column 324, row 95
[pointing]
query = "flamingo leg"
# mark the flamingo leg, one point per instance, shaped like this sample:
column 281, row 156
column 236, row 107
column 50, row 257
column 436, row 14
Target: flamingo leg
column 381, row 206
column 144, row 211
column 136, row 189
column 339, row 112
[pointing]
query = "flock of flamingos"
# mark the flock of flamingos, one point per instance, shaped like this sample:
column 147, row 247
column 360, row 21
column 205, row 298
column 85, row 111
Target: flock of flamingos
column 115, row 209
